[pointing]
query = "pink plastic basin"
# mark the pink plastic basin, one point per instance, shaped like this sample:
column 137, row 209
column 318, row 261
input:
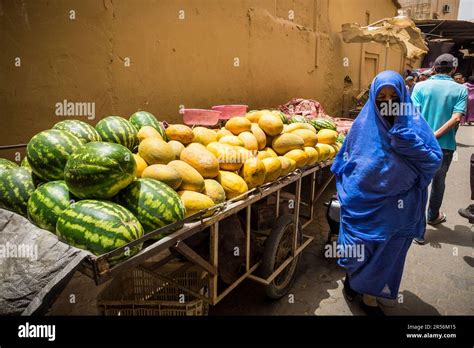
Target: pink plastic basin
column 201, row 117
column 229, row 111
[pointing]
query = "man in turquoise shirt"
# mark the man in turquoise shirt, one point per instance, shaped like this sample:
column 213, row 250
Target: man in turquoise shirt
column 442, row 102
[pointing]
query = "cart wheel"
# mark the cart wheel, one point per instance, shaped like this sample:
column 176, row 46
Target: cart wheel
column 277, row 249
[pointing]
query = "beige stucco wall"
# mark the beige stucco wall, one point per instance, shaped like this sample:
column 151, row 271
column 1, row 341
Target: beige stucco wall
column 232, row 51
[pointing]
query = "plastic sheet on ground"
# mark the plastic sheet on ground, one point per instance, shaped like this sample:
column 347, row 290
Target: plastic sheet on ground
column 34, row 265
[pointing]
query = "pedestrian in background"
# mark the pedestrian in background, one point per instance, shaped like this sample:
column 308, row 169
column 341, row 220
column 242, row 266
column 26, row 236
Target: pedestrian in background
column 469, row 116
column 459, row 78
column 410, row 84
column 442, row 102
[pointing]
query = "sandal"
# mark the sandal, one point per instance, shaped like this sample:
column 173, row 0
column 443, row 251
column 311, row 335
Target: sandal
column 349, row 293
column 441, row 218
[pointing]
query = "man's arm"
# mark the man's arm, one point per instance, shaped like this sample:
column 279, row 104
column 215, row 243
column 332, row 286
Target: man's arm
column 452, row 122
column 458, row 110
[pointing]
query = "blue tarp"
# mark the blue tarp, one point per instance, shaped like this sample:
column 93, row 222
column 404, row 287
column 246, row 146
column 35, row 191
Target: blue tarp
column 382, row 175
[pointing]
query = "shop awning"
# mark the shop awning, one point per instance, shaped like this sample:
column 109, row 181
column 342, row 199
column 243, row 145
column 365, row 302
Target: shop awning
column 399, row 30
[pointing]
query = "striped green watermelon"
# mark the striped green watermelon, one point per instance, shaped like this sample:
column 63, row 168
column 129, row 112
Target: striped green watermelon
column 82, row 130
column 6, row 164
column 36, row 179
column 47, row 202
column 154, row 203
column 143, row 118
column 99, row 170
column 16, row 186
column 99, row 226
column 298, row 119
column 340, row 138
column 48, row 152
column 323, row 123
column 115, row 129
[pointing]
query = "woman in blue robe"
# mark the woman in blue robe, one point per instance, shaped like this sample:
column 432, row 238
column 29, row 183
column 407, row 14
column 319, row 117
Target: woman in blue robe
column 382, row 173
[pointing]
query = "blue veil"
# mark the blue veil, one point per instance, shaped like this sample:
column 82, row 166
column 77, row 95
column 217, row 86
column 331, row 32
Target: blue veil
column 382, row 172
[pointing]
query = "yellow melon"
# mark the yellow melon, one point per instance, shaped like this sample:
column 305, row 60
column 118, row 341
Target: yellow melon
column 141, row 165
column 313, row 155
column 155, row 151
column 271, row 152
column 272, row 168
column 253, row 172
column 164, row 173
column 249, row 140
column 309, row 138
column 272, row 125
column 203, row 135
column 237, row 125
column 292, row 164
column 191, row 179
column 259, row 135
column 327, row 136
column 194, row 202
column 287, row 142
column 227, row 155
column 263, row 154
column 233, row 184
column 214, row 190
column 324, row 151
column 222, row 132
column 181, row 133
column 254, row 116
column 300, row 157
column 202, row 160
column 299, row 125
column 176, row 147
column 148, row 132
column 231, row 140
column 285, row 165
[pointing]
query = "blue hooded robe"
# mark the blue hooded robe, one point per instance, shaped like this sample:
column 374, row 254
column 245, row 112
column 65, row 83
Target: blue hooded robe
column 382, row 174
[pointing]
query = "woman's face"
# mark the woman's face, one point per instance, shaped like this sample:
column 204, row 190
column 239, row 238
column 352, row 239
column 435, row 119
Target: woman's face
column 387, row 93
column 385, row 101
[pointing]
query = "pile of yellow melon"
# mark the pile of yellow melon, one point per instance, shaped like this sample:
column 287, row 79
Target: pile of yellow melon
column 209, row 166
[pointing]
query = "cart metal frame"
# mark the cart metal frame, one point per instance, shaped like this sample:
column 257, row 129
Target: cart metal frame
column 99, row 269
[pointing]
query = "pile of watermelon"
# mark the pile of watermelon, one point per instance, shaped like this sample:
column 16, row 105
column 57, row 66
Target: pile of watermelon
column 80, row 182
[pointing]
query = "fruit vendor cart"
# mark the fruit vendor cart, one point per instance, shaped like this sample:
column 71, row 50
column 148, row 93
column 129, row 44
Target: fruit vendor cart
column 275, row 268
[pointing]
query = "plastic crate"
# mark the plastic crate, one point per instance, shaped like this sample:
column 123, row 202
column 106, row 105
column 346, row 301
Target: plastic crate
column 141, row 293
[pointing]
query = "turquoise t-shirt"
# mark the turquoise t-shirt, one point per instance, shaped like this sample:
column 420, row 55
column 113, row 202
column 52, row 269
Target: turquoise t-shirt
column 438, row 98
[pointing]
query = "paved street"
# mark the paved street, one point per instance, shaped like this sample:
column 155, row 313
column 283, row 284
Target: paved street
column 438, row 278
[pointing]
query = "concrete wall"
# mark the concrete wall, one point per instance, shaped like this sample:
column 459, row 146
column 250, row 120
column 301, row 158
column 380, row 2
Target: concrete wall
column 195, row 53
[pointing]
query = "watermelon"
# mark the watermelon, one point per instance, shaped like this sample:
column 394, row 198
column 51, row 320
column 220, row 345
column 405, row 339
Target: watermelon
column 143, row 118
column 49, row 151
column 6, row 164
column 99, row 170
column 323, row 123
column 115, row 129
column 99, row 226
column 82, row 130
column 16, row 186
column 154, row 203
column 36, row 180
column 47, row 202
column 298, row 119
column 340, row 138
